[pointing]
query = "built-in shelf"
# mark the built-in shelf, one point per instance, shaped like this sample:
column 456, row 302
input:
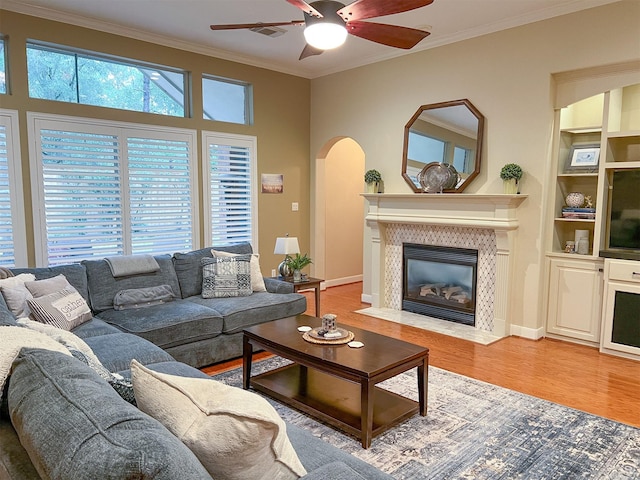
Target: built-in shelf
column 573, row 220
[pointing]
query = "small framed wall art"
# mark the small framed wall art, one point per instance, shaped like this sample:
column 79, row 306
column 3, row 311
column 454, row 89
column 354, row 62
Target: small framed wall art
column 583, row 158
column 272, row 183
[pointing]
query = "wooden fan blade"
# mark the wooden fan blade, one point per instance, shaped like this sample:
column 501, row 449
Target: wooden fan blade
column 363, row 9
column 308, row 51
column 391, row 35
column 305, row 7
column 237, row 26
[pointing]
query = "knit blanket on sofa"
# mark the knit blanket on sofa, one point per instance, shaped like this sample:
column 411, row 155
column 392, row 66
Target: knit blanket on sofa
column 13, row 339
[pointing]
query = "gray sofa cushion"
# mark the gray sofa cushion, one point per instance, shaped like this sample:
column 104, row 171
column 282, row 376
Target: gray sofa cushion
column 75, row 274
column 74, row 425
column 6, row 317
column 103, row 287
column 15, row 463
column 116, row 350
column 169, row 324
column 189, row 270
column 94, row 327
column 334, row 471
column 314, row 453
column 259, row 307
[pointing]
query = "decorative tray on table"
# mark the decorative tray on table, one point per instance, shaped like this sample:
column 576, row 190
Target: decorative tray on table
column 318, row 335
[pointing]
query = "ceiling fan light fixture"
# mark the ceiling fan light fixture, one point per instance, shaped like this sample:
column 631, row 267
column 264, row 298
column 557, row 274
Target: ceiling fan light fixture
column 325, row 35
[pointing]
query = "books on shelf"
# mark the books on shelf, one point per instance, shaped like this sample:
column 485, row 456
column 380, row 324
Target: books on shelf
column 582, row 213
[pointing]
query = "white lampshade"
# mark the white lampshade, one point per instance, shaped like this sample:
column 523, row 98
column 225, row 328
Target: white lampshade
column 286, row 246
column 326, row 35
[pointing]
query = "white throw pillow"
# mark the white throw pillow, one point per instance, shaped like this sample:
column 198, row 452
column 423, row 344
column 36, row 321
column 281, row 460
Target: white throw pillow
column 16, row 294
column 235, row 434
column 257, row 280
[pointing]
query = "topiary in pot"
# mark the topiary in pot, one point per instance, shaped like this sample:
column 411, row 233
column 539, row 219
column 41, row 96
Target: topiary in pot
column 511, row 174
column 372, row 179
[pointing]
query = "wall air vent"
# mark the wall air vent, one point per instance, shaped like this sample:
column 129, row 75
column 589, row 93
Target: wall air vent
column 269, row 31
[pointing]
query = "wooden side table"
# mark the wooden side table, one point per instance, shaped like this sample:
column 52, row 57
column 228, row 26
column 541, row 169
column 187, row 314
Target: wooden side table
column 310, row 282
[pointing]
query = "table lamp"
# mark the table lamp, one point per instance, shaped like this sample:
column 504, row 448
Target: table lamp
column 286, row 246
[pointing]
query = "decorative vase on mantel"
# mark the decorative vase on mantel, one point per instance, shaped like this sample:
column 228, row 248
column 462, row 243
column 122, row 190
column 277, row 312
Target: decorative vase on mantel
column 372, row 187
column 510, row 186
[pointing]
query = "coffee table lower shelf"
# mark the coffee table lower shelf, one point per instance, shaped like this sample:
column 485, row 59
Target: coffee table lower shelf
column 333, row 400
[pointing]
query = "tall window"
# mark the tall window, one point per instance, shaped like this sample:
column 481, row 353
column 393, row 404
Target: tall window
column 68, row 75
column 110, row 188
column 230, row 179
column 13, row 250
column 226, row 100
column 3, row 66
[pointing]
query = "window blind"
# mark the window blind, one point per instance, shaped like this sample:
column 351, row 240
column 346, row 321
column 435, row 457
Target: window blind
column 12, row 231
column 231, row 172
column 109, row 188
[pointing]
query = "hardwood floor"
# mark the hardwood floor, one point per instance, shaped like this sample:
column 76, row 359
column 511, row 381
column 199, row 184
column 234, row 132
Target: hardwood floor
column 569, row 374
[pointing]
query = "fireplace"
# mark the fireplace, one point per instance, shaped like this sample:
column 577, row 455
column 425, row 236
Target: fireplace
column 486, row 222
column 440, row 281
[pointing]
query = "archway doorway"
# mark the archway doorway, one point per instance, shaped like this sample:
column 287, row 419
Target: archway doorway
column 338, row 220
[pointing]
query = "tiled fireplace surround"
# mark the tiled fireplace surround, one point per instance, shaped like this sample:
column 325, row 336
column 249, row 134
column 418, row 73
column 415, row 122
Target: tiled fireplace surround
column 487, row 223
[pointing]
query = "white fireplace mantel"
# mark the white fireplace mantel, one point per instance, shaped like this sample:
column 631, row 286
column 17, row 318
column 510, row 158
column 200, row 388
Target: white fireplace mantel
column 456, row 209
column 496, row 212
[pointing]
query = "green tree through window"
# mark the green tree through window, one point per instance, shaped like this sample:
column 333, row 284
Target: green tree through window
column 67, row 76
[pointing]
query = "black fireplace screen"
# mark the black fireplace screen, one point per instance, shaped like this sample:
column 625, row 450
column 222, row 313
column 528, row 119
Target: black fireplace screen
column 440, row 282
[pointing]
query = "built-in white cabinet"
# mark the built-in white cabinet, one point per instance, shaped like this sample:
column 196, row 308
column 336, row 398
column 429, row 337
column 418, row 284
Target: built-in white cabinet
column 575, row 299
column 607, row 125
column 621, row 313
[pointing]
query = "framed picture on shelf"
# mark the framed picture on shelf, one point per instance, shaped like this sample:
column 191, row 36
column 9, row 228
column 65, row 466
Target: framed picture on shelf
column 583, row 158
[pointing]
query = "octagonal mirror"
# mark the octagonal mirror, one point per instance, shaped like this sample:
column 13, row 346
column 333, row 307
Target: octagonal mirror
column 438, row 137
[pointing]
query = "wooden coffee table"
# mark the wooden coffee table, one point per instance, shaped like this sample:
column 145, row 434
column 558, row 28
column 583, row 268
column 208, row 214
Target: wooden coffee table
column 337, row 383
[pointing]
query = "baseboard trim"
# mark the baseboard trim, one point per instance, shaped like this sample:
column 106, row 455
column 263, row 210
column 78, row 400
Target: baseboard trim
column 342, row 281
column 526, row 332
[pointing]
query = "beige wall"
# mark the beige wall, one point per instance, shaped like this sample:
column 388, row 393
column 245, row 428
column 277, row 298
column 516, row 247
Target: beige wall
column 508, row 77
column 344, row 220
column 281, row 117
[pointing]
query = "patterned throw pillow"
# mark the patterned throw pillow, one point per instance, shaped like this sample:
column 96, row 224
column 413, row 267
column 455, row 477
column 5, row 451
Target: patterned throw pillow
column 226, row 276
column 65, row 309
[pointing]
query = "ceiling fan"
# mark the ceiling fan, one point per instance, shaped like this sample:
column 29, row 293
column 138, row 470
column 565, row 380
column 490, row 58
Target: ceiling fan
column 327, row 23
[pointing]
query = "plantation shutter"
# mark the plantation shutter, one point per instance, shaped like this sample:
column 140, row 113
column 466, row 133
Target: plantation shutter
column 81, row 190
column 12, row 233
column 160, row 195
column 109, row 188
column 231, row 172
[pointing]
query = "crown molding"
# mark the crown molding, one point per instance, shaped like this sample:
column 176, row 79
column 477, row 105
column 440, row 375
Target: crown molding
column 171, row 42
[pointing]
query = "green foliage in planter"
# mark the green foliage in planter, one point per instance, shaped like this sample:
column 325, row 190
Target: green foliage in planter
column 372, row 176
column 511, row 170
column 298, row 262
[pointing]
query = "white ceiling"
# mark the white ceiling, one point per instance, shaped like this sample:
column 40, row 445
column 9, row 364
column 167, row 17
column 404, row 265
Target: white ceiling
column 185, row 24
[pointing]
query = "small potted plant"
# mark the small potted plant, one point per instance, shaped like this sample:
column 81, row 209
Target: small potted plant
column 296, row 264
column 372, row 179
column 511, row 174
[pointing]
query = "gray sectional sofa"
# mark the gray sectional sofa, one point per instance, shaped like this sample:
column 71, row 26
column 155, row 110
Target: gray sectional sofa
column 60, row 419
column 194, row 330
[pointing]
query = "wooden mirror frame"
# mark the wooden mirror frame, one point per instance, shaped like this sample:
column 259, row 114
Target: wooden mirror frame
column 479, row 140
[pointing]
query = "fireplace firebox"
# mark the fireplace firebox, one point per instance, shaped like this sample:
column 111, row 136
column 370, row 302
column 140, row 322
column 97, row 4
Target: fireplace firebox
column 440, row 282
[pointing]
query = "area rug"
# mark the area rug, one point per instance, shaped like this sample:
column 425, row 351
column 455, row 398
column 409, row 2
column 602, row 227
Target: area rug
column 474, row 430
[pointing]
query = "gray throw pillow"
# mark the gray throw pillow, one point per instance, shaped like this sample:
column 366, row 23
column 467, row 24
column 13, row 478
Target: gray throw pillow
column 65, row 309
column 226, row 276
column 40, row 288
column 142, row 297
